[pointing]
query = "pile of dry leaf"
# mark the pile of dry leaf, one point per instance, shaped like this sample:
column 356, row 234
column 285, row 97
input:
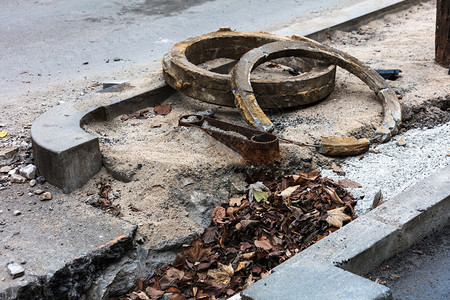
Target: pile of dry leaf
column 249, row 236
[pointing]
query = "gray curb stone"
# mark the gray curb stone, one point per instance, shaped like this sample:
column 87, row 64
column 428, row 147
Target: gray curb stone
column 65, row 154
column 314, row 280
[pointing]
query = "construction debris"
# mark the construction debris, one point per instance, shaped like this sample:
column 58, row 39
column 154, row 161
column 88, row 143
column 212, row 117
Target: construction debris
column 181, row 71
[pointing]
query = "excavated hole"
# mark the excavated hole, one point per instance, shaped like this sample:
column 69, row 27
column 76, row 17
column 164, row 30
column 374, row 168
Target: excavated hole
column 426, row 115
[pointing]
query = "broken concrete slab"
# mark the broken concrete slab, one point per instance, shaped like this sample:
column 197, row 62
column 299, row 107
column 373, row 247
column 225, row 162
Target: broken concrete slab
column 63, row 248
column 64, row 153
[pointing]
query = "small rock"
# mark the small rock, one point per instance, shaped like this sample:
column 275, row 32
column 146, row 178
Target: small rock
column 40, row 179
column 38, row 192
column 93, row 199
column 29, row 171
column 13, row 171
column 16, row 270
column 394, row 277
column 17, row 212
column 24, row 145
column 16, row 178
column 5, row 169
column 45, row 196
column 33, row 182
column 9, row 156
column 401, row 142
column 20, row 193
column 207, row 113
column 29, row 159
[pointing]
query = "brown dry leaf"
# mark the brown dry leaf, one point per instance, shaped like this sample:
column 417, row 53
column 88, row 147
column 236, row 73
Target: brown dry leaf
column 162, row 109
column 197, row 252
column 248, row 282
column 296, row 212
column 264, row 274
column 347, row 183
column 175, row 273
column 201, row 275
column 249, row 255
column 166, row 282
column 203, row 296
column 232, row 210
column 142, row 296
column 241, row 265
column 247, row 223
column 218, row 214
column 285, row 194
column 330, row 191
column 336, row 217
column 173, row 290
column 221, row 275
column 263, row 243
column 154, row 293
column 176, row 297
column 245, row 246
column 237, row 201
column 337, row 169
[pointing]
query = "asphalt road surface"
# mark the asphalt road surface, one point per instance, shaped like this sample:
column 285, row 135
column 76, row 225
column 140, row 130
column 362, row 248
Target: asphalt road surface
column 48, row 42
column 421, row 272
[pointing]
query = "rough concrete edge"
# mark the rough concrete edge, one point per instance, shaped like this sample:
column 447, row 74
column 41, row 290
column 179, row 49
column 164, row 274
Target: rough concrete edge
column 72, row 156
column 395, row 234
column 75, row 277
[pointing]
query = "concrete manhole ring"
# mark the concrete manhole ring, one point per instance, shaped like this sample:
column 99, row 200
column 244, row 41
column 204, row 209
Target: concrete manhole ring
column 181, row 71
column 248, row 106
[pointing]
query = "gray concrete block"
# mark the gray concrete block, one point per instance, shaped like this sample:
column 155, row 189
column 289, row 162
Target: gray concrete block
column 357, row 247
column 65, row 154
column 419, row 210
column 309, row 279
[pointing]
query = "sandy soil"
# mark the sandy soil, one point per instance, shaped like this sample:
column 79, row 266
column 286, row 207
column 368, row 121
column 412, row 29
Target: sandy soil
column 185, row 173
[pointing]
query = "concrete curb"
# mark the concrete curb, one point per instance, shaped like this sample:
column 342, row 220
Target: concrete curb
column 346, row 19
column 65, row 154
column 361, row 246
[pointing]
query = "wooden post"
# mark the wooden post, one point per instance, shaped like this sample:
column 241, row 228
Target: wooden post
column 442, row 53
